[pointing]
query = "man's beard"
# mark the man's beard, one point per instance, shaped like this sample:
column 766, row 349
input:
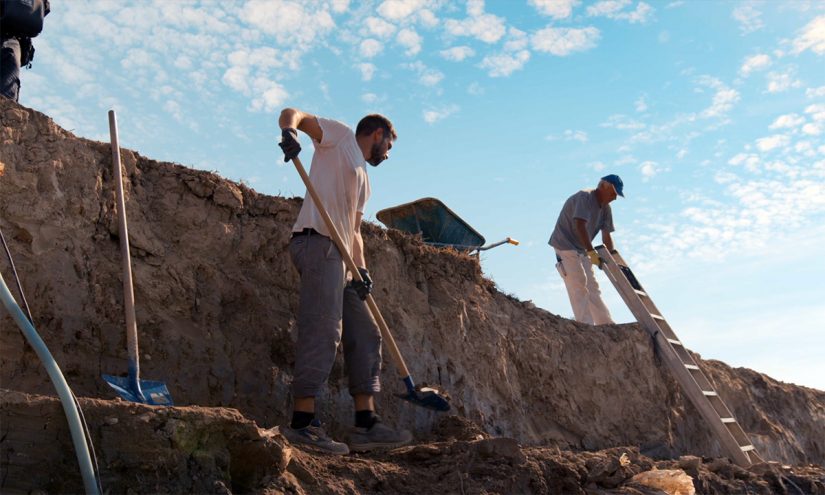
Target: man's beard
column 375, row 155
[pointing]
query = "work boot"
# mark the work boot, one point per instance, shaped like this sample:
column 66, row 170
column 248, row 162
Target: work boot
column 378, row 436
column 314, row 437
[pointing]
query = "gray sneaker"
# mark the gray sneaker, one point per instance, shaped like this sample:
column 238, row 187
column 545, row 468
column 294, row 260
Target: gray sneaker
column 380, row 436
column 314, row 437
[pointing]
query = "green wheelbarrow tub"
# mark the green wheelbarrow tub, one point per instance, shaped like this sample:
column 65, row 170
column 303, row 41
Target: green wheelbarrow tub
column 437, row 224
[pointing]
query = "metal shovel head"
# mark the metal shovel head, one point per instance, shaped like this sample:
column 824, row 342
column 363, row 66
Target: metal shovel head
column 428, row 398
column 154, row 393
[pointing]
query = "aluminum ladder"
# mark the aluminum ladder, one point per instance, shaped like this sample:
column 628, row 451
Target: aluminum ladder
column 693, row 381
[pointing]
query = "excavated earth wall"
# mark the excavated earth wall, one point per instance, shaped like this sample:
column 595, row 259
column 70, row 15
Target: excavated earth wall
column 216, row 298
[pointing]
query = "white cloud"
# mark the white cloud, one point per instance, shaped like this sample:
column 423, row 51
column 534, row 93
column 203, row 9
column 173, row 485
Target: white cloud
column 427, row 18
column 475, row 89
column 772, row 142
column 749, row 160
column 426, row 75
column 340, row 6
column 516, row 40
column 571, row 135
column 183, row 62
column 649, row 169
column 557, row 9
column 504, row 64
column 597, row 166
column 723, row 100
column 288, row 21
column 815, row 92
column 640, row 104
column 457, row 53
column 748, row 17
column 622, row 122
column 409, row 39
column 369, row 97
column 779, row 82
column 812, row 128
column 367, row 71
column 564, row 41
column 271, row 96
column 379, row 27
column 787, row 121
column 615, row 9
column 817, row 111
column 397, row 10
column 370, row 48
column 754, row 63
column 235, row 78
column 488, row 28
column 174, row 109
column 812, row 37
column 435, row 114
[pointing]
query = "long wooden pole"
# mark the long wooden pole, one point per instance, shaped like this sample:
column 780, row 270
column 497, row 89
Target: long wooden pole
column 126, row 260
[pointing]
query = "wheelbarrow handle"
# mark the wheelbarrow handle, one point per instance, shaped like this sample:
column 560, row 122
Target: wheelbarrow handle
column 353, row 268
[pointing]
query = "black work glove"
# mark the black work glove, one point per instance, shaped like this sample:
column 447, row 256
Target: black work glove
column 289, row 143
column 364, row 287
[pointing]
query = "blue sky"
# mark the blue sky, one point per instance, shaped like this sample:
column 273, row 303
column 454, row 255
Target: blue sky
column 712, row 112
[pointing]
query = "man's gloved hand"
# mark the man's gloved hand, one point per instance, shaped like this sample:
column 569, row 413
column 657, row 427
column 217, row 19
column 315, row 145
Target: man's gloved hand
column 364, row 287
column 595, row 258
column 289, row 143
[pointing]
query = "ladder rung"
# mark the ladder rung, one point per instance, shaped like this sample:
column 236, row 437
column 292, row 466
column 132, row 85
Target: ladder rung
column 640, row 292
column 674, row 341
column 747, row 448
column 709, row 393
column 692, row 367
column 657, row 317
column 728, row 420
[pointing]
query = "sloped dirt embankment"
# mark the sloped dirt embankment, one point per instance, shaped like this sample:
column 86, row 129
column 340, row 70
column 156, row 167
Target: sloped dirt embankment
column 216, row 297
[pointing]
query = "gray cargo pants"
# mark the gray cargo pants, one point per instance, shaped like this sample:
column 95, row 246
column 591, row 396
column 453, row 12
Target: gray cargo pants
column 327, row 301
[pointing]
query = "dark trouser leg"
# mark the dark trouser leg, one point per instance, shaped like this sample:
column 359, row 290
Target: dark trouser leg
column 10, row 69
column 362, row 345
column 319, row 312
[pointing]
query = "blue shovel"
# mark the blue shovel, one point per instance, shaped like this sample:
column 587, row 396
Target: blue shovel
column 130, row 387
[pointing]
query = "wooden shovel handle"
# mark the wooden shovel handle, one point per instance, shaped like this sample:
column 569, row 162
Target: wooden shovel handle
column 123, row 232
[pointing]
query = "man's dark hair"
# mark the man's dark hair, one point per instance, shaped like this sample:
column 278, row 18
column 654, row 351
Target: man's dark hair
column 374, row 121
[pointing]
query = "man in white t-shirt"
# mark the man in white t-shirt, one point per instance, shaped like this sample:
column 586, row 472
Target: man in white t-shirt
column 332, row 310
column 584, row 215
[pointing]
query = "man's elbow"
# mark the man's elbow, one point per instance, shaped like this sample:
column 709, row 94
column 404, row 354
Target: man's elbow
column 289, row 112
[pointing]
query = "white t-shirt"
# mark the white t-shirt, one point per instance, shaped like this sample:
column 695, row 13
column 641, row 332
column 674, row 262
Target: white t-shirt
column 339, row 175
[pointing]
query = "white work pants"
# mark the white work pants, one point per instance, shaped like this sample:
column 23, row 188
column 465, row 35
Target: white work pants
column 585, row 297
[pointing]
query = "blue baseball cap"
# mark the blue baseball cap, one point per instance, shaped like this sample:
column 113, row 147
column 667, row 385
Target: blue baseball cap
column 616, row 181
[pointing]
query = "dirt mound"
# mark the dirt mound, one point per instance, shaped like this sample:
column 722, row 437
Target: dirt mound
column 216, row 298
column 216, row 450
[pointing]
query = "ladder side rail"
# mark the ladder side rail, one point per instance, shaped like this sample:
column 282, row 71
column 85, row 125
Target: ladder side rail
column 675, row 362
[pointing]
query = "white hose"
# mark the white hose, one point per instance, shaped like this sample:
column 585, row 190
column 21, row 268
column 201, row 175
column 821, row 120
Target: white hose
column 63, row 390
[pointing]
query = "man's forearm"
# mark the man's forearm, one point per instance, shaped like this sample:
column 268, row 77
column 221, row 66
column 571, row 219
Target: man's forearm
column 607, row 240
column 358, row 251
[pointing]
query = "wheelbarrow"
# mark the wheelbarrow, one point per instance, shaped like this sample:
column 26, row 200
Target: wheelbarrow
column 438, row 226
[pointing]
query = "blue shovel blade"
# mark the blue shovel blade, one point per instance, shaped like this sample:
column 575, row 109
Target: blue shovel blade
column 155, row 392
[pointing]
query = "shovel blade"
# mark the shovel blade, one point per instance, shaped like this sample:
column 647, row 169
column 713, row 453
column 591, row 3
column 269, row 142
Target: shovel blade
column 155, row 393
column 426, row 397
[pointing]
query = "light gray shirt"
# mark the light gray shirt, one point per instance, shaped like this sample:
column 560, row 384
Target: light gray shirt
column 582, row 205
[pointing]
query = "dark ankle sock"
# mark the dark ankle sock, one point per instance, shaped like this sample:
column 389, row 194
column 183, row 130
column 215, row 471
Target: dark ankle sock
column 301, row 419
column 365, row 419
